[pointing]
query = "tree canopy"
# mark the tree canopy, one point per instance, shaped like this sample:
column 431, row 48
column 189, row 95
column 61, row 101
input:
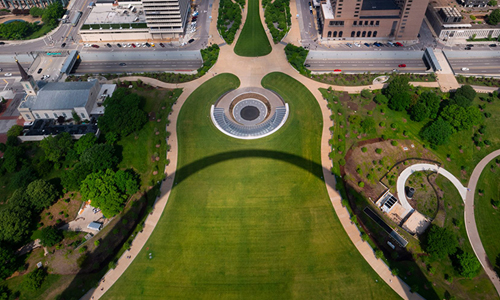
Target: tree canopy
column 50, row 236
column 461, row 118
column 469, row 266
column 84, row 143
column 8, row 258
column 123, row 114
column 494, row 17
column 431, row 101
column 41, row 194
column 438, row 132
column 99, row 157
column 419, row 112
column 72, row 179
column 400, row 101
column 441, row 242
column 52, row 13
column 466, row 91
column 108, row 191
column 56, row 147
column 398, row 85
column 34, row 280
column 14, row 224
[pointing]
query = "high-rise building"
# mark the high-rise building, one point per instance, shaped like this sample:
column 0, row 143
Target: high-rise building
column 166, row 18
column 372, row 19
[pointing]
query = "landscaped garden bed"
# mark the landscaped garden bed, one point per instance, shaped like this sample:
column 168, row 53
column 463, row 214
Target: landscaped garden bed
column 229, row 19
column 277, row 17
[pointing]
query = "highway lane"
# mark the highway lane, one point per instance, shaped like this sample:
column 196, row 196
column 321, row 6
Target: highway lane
column 475, row 65
column 137, row 66
column 379, row 65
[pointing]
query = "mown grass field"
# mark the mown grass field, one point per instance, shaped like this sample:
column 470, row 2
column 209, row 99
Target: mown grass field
column 487, row 216
column 249, row 219
column 253, row 41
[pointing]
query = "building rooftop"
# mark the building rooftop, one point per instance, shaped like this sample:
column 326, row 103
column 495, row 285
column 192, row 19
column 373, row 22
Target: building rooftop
column 48, row 127
column 379, row 5
column 327, row 11
column 60, row 95
column 109, row 14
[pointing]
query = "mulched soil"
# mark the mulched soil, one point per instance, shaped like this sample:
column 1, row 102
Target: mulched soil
column 370, row 106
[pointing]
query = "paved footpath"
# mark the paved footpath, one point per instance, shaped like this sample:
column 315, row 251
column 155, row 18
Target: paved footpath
column 470, row 220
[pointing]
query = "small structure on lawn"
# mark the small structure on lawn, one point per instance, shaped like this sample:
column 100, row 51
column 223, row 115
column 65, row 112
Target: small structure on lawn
column 95, row 226
column 410, row 192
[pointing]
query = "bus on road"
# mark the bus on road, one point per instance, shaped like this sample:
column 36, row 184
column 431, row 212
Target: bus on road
column 76, row 18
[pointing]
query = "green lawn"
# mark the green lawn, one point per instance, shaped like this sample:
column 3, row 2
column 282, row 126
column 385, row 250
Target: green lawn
column 488, row 217
column 249, row 219
column 253, row 40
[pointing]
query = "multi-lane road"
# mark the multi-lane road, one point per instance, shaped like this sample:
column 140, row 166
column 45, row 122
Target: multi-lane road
column 476, row 65
column 357, row 65
column 137, row 66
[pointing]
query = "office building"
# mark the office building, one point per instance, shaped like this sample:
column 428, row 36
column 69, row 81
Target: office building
column 360, row 20
column 166, row 18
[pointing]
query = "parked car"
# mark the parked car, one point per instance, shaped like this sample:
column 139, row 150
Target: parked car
column 307, row 65
column 357, row 45
column 39, row 71
column 391, row 44
column 95, row 46
column 492, row 45
column 469, row 45
column 109, row 45
column 148, row 45
column 2, row 43
column 119, row 45
column 399, row 44
column 133, row 45
column 402, row 65
column 468, row 48
column 163, row 46
column 349, row 45
column 63, row 45
column 367, row 45
column 190, row 41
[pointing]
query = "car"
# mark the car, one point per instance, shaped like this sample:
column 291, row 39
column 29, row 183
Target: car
column 119, row 45
column 8, row 74
column 307, row 65
column 109, row 45
column 357, row 45
column 152, row 44
column 2, row 43
column 39, row 71
column 163, row 46
column 399, row 44
column 395, row 70
column 390, row 44
column 129, row 45
column 349, row 45
column 63, row 45
column 367, row 45
column 337, row 70
column 190, row 41
column 492, row 45
column 95, row 46
column 402, row 65
column 123, row 64
column 469, row 45
column 47, row 76
column 465, row 69
column 193, row 19
column 468, row 48
column 133, row 45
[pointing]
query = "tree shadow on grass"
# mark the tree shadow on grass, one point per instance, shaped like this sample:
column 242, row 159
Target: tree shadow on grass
column 77, row 287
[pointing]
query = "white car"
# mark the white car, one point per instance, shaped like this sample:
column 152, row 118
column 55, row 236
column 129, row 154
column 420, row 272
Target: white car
column 357, row 45
column 465, row 69
column 8, row 74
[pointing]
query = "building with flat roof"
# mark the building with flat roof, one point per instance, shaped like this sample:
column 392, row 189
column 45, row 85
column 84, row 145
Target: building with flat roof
column 449, row 23
column 27, row 4
column 362, row 20
column 52, row 100
column 474, row 3
column 166, row 18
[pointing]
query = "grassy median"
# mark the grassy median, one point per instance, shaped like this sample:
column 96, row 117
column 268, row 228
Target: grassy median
column 253, row 40
column 249, row 219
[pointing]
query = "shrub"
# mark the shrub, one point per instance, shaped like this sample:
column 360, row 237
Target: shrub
column 394, row 125
column 364, row 149
column 378, row 150
column 495, row 203
column 366, row 93
column 342, row 162
column 379, row 254
column 381, row 124
column 381, row 99
column 394, row 143
column 361, row 184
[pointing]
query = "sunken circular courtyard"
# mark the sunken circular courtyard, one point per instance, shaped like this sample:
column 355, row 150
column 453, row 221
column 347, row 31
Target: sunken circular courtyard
column 249, row 113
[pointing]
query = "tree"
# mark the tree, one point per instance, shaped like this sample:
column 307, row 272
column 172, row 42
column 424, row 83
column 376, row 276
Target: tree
column 15, row 130
column 365, row 93
column 76, row 117
column 50, row 236
column 5, row 293
column 466, row 91
column 127, row 181
column 419, row 112
column 469, row 266
column 41, row 193
column 3, row 147
column 431, row 101
column 400, row 102
column 461, row 118
column 354, row 120
column 56, row 147
column 438, row 132
column 52, row 13
column 34, row 280
column 441, row 242
column 397, row 86
column 8, row 259
column 122, row 114
column 72, row 179
column 493, row 3
column 84, row 143
column 22, row 178
column 461, row 101
column 14, row 224
column 494, row 17
column 380, row 99
column 102, row 190
column 36, row 12
column 99, row 157
column 11, row 158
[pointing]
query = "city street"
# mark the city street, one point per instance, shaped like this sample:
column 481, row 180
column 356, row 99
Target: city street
column 412, row 66
column 137, row 66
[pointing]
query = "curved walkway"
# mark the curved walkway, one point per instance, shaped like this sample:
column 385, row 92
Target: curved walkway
column 470, row 220
column 425, row 167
